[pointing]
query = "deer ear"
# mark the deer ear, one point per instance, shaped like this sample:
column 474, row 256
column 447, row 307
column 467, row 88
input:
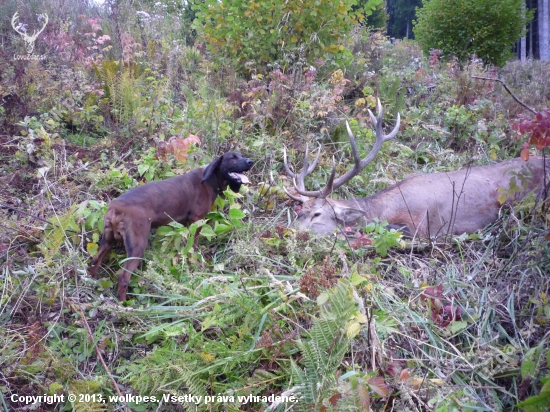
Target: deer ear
column 211, row 169
column 347, row 215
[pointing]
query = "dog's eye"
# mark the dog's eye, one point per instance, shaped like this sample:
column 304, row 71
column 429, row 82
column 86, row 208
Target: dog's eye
column 317, row 214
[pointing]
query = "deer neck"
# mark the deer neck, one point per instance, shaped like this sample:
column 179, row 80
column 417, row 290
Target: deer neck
column 371, row 206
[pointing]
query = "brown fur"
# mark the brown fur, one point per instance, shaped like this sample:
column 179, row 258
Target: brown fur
column 429, row 205
column 184, row 199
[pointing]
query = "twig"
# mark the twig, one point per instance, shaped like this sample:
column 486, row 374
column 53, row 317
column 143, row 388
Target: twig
column 508, row 90
column 97, row 351
column 34, row 216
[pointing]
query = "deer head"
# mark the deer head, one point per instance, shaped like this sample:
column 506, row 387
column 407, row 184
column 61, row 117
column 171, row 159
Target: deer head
column 29, row 39
column 324, row 215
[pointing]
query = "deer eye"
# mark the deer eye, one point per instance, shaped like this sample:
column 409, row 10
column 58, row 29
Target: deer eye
column 317, row 214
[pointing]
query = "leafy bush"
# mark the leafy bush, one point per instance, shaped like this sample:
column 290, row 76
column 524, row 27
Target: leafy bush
column 277, row 32
column 460, row 28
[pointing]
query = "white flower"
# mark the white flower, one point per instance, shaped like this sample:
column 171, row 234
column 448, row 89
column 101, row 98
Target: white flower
column 21, row 27
column 143, row 14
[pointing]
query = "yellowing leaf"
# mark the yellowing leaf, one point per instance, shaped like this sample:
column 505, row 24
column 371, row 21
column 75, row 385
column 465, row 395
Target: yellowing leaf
column 352, row 329
column 416, row 383
column 92, row 248
column 207, row 357
column 361, row 318
column 525, row 152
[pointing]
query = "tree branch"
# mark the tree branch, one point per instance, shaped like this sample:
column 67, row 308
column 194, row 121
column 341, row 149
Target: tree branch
column 508, row 90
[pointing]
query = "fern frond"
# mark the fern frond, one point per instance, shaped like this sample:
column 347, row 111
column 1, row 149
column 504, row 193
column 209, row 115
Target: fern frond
column 324, row 348
column 55, row 236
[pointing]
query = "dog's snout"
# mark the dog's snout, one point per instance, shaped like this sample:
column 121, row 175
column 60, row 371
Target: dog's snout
column 249, row 162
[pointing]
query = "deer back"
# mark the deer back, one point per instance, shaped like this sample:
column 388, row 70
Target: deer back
column 432, row 204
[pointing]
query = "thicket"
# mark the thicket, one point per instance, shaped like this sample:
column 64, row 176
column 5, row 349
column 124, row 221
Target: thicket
column 259, row 309
column 460, row 28
column 255, row 35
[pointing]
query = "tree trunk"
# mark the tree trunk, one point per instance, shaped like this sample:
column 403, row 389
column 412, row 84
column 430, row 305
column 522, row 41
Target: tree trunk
column 531, row 37
column 544, row 30
column 523, row 40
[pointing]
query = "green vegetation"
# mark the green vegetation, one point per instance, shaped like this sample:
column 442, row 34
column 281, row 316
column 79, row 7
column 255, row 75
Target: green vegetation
column 460, row 28
column 279, row 33
column 259, row 309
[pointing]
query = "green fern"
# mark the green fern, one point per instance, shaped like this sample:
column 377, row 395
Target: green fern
column 55, row 235
column 123, row 88
column 86, row 388
column 324, row 348
column 167, row 371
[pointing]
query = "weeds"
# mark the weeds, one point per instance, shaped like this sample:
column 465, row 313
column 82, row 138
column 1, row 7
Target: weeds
column 366, row 321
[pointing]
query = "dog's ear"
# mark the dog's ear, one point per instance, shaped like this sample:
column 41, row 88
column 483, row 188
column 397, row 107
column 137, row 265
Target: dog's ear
column 211, row 168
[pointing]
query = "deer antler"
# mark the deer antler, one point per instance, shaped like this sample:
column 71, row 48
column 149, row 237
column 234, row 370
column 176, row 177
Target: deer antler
column 360, row 164
column 299, row 181
column 14, row 24
column 29, row 40
column 37, row 32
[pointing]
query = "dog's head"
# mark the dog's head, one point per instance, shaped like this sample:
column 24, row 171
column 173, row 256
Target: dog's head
column 228, row 168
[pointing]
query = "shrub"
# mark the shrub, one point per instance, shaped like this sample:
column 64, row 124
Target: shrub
column 459, row 28
column 278, row 32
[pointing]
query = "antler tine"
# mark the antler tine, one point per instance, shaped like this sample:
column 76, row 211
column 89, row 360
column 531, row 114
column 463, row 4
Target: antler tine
column 314, row 164
column 14, row 22
column 303, row 173
column 299, row 179
column 329, row 188
column 360, row 164
column 287, row 168
column 377, row 122
column 37, row 32
column 301, row 199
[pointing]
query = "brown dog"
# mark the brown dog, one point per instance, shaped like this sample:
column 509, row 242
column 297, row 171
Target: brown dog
column 184, row 199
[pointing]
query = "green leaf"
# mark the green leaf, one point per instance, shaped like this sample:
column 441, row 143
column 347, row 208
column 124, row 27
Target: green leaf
column 164, row 230
column 529, row 366
column 105, row 284
column 457, row 326
column 142, row 168
column 537, row 403
column 236, row 214
column 322, row 298
column 220, row 228
column 54, row 388
column 357, row 279
column 207, row 232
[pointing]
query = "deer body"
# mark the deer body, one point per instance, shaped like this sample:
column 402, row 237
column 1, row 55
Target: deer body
column 428, row 205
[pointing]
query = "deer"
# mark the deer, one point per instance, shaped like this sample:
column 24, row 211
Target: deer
column 424, row 206
column 29, row 39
